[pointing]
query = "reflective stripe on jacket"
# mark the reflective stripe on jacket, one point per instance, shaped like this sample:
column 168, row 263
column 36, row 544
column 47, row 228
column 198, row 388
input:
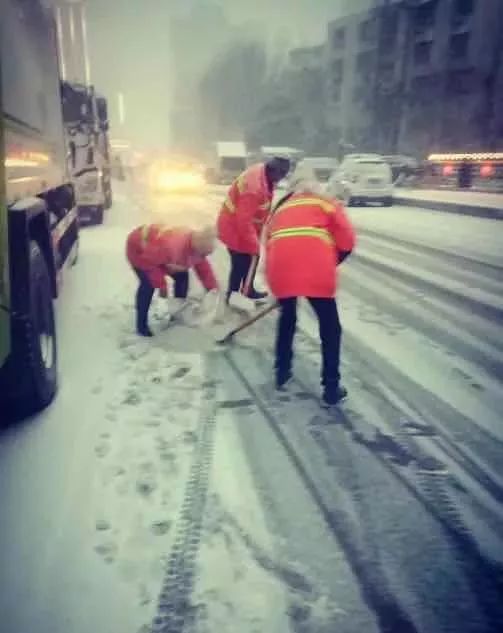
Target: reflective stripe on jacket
column 245, row 211
column 154, row 247
column 304, row 238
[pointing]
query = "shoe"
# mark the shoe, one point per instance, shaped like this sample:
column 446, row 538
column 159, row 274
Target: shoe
column 239, row 302
column 144, row 331
column 283, row 380
column 255, row 295
column 333, row 397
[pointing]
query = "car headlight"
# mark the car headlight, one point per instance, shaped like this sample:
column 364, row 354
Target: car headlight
column 173, row 180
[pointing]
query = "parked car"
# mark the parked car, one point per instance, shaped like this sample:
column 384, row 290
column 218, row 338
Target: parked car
column 318, row 169
column 362, row 178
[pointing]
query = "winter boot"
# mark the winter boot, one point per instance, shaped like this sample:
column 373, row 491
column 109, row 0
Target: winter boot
column 255, row 295
column 283, row 379
column 332, row 396
column 239, row 302
column 145, row 331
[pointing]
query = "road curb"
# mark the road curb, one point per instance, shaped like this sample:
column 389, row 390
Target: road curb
column 451, row 207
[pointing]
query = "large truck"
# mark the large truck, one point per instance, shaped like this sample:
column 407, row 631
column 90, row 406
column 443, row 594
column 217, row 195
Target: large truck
column 85, row 116
column 231, row 160
column 38, row 216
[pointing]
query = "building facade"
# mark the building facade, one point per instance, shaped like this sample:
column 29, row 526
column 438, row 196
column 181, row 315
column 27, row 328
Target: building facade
column 416, row 76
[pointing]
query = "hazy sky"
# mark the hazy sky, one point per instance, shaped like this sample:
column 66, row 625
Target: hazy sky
column 130, row 48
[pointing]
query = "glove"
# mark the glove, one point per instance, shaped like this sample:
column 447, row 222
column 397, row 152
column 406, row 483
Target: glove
column 210, row 307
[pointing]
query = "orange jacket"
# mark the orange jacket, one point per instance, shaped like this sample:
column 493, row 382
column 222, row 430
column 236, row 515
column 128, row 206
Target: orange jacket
column 154, row 248
column 245, row 211
column 305, row 236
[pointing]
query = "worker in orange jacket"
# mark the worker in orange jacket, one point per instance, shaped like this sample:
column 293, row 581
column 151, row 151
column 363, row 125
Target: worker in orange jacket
column 156, row 251
column 308, row 236
column 242, row 217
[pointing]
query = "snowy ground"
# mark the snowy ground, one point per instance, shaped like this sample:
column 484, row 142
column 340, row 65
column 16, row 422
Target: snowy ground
column 478, row 199
column 169, row 489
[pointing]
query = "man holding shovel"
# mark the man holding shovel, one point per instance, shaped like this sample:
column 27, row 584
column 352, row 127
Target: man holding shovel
column 242, row 217
column 308, row 236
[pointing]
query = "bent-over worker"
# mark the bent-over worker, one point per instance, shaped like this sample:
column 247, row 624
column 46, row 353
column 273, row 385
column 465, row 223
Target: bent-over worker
column 156, row 251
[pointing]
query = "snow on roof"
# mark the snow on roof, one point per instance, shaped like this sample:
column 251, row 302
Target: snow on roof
column 364, row 157
column 231, row 148
column 280, row 151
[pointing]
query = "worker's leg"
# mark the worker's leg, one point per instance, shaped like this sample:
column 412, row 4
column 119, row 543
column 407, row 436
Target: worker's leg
column 181, row 280
column 284, row 339
column 330, row 336
column 240, row 264
column 144, row 296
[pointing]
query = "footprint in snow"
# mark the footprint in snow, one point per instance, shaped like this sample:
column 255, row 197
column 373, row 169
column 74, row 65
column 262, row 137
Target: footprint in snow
column 145, row 487
column 132, row 398
column 152, row 423
column 180, row 373
column 107, row 550
column 189, row 437
column 102, row 449
column 102, row 525
column 160, row 528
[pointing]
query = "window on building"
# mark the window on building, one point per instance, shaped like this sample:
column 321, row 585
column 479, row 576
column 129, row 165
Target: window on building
column 361, row 93
column 335, row 92
column 458, row 46
column 422, row 53
column 390, row 32
column 337, row 71
column 339, row 38
column 461, row 82
column 424, row 16
column 364, row 63
column 386, row 74
column 367, row 30
column 463, row 7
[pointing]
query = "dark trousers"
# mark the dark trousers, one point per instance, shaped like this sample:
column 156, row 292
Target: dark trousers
column 330, row 336
column 145, row 293
column 240, row 266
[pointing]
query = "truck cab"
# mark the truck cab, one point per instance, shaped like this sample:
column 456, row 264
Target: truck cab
column 86, row 124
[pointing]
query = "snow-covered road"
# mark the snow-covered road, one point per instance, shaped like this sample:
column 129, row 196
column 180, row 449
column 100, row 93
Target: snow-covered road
column 170, row 489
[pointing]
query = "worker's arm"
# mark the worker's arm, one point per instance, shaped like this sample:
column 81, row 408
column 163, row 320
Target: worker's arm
column 247, row 212
column 343, row 233
column 206, row 276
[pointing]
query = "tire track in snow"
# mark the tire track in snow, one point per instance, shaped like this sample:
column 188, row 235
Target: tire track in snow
column 389, row 613
column 397, row 453
column 174, row 609
column 485, row 269
column 461, row 275
column 411, row 313
column 488, row 306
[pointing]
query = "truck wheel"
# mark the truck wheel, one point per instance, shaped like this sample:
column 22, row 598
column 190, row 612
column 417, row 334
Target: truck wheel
column 99, row 214
column 33, row 360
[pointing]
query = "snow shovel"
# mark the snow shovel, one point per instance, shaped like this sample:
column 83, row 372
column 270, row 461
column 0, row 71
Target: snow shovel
column 250, row 276
column 230, row 335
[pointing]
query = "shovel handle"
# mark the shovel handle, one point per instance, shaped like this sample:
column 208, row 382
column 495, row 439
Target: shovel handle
column 249, row 322
column 250, row 276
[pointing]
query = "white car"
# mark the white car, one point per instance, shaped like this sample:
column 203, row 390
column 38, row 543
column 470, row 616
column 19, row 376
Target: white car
column 317, row 169
column 362, row 178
